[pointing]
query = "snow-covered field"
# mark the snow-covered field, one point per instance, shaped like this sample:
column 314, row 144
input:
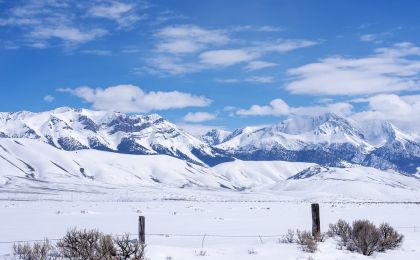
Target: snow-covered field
column 235, row 210
column 221, row 214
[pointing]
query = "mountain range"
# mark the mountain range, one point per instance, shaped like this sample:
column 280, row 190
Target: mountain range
column 97, row 152
column 327, row 140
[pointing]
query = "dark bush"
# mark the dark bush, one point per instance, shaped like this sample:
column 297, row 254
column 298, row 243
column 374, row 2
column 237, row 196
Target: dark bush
column 307, row 241
column 390, row 239
column 364, row 237
column 341, row 229
column 36, row 251
column 82, row 245
column 289, row 237
column 128, row 249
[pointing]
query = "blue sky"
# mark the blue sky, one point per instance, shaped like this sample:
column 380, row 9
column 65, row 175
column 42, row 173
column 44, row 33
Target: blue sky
column 204, row 64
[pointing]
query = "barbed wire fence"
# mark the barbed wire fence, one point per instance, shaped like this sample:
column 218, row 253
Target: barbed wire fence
column 201, row 236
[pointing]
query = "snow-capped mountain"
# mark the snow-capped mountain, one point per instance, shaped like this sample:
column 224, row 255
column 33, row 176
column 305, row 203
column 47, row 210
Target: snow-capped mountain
column 71, row 129
column 327, row 140
column 215, row 136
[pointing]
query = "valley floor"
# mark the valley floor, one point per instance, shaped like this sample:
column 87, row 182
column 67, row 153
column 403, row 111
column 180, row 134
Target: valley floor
column 236, row 225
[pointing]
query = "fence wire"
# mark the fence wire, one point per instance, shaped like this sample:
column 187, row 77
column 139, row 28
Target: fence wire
column 169, row 235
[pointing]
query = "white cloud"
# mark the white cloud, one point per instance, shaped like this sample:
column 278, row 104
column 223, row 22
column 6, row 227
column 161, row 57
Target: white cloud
column 130, row 98
column 122, row 13
column 199, row 117
column 402, row 111
column 285, row 45
column 182, row 39
column 188, row 48
column 258, row 64
column 68, row 34
column 97, row 52
column 368, row 37
column 250, row 79
column 225, row 57
column 40, row 24
column 163, row 65
column 227, row 80
column 266, row 28
column 389, row 70
column 48, row 98
column 375, row 37
column 197, row 129
column 279, row 107
column 260, row 79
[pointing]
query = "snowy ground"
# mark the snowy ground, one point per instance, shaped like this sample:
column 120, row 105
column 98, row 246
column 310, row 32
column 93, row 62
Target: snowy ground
column 211, row 213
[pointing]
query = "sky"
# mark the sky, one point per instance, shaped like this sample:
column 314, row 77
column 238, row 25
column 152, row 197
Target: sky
column 214, row 64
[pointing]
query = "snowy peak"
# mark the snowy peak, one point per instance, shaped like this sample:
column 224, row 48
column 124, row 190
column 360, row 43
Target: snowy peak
column 76, row 129
column 328, row 140
column 297, row 133
column 215, row 136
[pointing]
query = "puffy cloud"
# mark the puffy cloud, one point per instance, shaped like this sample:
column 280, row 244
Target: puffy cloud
column 250, row 79
column 285, row 45
column 258, row 64
column 67, row 34
column 402, row 111
column 389, row 70
column 199, row 117
column 279, row 107
column 182, row 39
column 41, row 23
column 260, row 79
column 122, row 13
column 198, row 129
column 130, row 98
column 226, row 57
column 188, row 48
column 97, row 52
column 49, row 98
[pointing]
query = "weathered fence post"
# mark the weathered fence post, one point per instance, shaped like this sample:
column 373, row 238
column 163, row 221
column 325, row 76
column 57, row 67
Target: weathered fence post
column 142, row 233
column 316, row 221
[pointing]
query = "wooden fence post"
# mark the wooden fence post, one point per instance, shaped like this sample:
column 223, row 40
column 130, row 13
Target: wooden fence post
column 142, row 233
column 316, row 220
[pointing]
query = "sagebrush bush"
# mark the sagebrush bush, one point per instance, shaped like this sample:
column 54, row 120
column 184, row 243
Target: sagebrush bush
column 390, row 239
column 289, row 237
column 128, row 249
column 364, row 237
column 83, row 245
column 341, row 229
column 307, row 241
column 36, row 251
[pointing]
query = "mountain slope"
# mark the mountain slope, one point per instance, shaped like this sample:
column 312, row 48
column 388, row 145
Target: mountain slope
column 71, row 130
column 20, row 159
column 327, row 140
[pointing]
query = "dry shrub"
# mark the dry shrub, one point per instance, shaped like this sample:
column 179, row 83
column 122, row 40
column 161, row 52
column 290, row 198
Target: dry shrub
column 364, row 237
column 93, row 245
column 342, row 229
column 390, row 239
column 289, row 237
column 36, row 251
column 129, row 249
column 307, row 241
